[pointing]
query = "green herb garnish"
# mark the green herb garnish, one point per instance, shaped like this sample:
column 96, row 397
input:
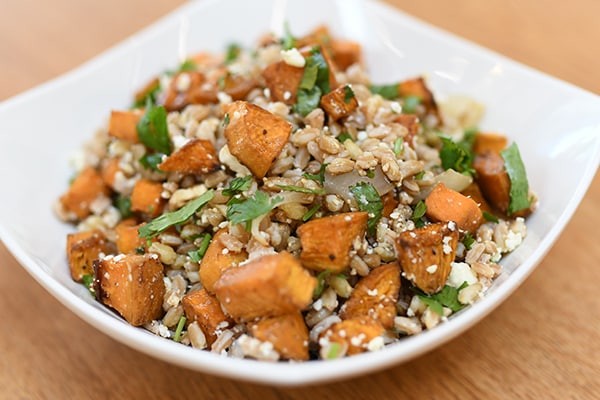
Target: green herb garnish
column 179, row 328
column 389, row 92
column 149, row 97
column 456, row 156
column 342, row 137
column 420, row 175
column 188, row 65
column 490, row 217
column 123, row 204
column 348, row 94
column 226, row 120
column 196, row 255
column 251, row 208
column 334, row 350
column 398, row 146
column 320, row 177
column 320, row 283
column 368, row 200
column 314, row 83
column 292, row 188
column 410, row 104
column 311, row 212
column 88, row 282
column 420, row 210
column 238, row 185
column 151, row 161
column 287, row 41
column 233, row 52
column 468, row 240
column 519, row 186
column 447, row 297
column 152, row 129
column 169, row 219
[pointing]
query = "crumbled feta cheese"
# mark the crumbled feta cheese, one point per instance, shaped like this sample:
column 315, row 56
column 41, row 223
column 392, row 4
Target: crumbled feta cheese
column 432, row 268
column 460, row 272
column 293, row 57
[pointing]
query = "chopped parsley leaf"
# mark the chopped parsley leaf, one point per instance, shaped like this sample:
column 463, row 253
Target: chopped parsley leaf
column 519, row 186
column 288, row 41
column 238, row 185
column 151, row 161
column 468, row 240
column 233, row 52
column 370, row 173
column 88, row 282
column 314, row 83
column 447, row 297
column 348, row 94
column 456, row 156
column 368, row 200
column 398, row 146
column 292, row 188
column 307, row 100
column 196, row 255
column 152, row 129
column 420, row 210
column 389, row 92
column 490, row 217
column 149, row 96
column 251, row 208
column 311, row 212
column 188, row 65
column 320, row 283
column 320, row 177
column 420, row 175
column 226, row 120
column 410, row 104
column 179, row 328
column 342, row 137
column 123, row 204
column 169, row 219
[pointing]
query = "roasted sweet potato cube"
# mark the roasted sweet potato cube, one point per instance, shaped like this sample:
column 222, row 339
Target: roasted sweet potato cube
column 216, row 261
column 146, row 90
column 345, row 53
column 288, row 334
column 128, row 239
column 339, row 103
column 355, row 334
column 189, row 87
column 132, row 285
column 489, row 141
column 146, row 197
column 320, row 36
column 375, row 296
column 123, row 125
column 426, row 254
column 389, row 204
column 326, row 242
column 492, row 178
column 444, row 205
column 255, row 136
column 237, row 86
column 197, row 156
column 108, row 170
column 283, row 80
column 418, row 88
column 270, row 286
column 83, row 248
column 204, row 308
column 84, row 189
column 473, row 192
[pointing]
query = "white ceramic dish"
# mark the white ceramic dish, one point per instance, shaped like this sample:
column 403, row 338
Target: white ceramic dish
column 556, row 125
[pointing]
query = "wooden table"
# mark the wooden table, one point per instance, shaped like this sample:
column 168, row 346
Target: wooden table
column 544, row 342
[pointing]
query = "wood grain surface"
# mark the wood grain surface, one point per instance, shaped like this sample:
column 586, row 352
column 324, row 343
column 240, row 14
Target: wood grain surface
column 542, row 343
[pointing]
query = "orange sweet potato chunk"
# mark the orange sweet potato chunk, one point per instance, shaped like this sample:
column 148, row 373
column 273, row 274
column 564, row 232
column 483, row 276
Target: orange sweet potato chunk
column 197, row 156
column 418, row 88
column 426, row 254
column 204, row 308
column 326, row 242
column 492, row 178
column 83, row 248
column 255, row 136
column 123, row 125
column 109, row 170
column 444, row 205
column 288, row 334
column 132, row 285
column 339, row 103
column 84, row 189
column 270, row 286
column 215, row 261
column 375, row 296
column 355, row 334
column 128, row 239
column 283, row 80
column 345, row 53
column 489, row 141
column 146, row 197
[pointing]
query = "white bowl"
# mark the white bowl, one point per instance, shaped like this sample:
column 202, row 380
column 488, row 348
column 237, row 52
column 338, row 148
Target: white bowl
column 556, row 125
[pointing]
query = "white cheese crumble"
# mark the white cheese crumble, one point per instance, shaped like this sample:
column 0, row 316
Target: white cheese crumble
column 460, row 272
column 293, row 57
column 432, row 268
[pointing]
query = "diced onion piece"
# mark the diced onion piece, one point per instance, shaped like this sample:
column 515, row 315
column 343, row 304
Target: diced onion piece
column 340, row 184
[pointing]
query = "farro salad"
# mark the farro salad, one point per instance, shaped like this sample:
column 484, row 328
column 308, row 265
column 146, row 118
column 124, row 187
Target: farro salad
column 274, row 203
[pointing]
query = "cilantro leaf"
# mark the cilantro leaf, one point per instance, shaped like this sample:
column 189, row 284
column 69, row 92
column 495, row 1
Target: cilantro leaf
column 151, row 161
column 320, row 177
column 348, row 94
column 292, row 188
column 342, row 137
column 433, row 304
column 233, row 52
column 251, row 208
column 389, row 92
column 149, row 96
column 410, row 103
column 320, row 283
column 311, row 212
column 307, row 100
column 456, row 156
column 468, row 240
column 238, row 185
column 368, row 200
column 287, row 41
column 398, row 143
column 152, row 129
column 188, row 65
column 179, row 328
column 418, row 214
column 169, row 219
column 196, row 255
column 314, row 83
column 447, row 297
column 519, row 186
column 123, row 204
column 88, row 282
column 489, row 217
